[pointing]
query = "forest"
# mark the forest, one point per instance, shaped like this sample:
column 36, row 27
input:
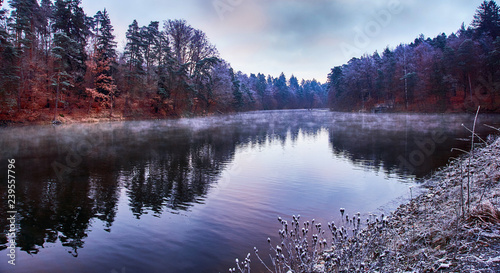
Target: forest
column 55, row 62
column 447, row 73
column 58, row 64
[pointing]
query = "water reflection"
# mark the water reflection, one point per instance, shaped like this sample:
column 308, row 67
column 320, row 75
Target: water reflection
column 68, row 177
column 170, row 170
column 403, row 144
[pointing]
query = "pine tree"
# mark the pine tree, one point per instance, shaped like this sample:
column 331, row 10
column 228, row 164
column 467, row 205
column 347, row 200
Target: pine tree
column 72, row 27
column 23, row 25
column 9, row 78
column 45, row 36
column 164, row 62
column 150, row 36
column 105, row 54
column 261, row 86
column 62, row 52
column 237, row 94
column 335, row 83
column 487, row 19
column 134, row 47
column 295, row 91
column 283, row 94
column 105, row 43
column 134, row 57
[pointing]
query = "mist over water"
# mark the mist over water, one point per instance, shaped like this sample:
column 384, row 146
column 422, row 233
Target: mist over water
column 191, row 195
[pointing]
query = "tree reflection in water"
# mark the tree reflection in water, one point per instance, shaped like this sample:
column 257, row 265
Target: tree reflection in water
column 167, row 166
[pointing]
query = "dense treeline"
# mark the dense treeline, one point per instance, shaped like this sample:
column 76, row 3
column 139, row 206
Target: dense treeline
column 55, row 60
column 457, row 72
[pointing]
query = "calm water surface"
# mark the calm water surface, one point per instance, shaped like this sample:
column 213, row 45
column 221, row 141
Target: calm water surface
column 191, row 195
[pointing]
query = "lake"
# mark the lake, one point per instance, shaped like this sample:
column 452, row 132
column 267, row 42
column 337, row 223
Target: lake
column 191, row 195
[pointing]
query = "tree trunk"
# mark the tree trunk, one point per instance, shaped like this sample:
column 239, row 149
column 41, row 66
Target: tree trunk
column 57, row 99
column 470, row 86
column 90, row 104
column 20, row 90
column 111, row 107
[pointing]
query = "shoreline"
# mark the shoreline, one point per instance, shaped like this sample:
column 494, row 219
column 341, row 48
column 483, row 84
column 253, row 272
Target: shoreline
column 433, row 232
column 46, row 117
column 449, row 229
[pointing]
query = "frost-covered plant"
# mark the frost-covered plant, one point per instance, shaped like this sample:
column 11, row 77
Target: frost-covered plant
column 310, row 247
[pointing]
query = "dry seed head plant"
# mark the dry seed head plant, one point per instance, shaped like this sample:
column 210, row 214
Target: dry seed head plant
column 310, row 247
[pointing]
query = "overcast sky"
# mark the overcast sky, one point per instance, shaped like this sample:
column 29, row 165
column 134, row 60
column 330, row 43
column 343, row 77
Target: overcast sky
column 301, row 37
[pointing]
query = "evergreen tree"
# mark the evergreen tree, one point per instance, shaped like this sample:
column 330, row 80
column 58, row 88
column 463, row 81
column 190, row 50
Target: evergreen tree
column 308, row 94
column 202, row 80
column 105, row 55
column 9, row 78
column 44, row 27
column 237, row 94
column 389, row 71
column 334, row 81
column 23, row 24
column 282, row 95
column 150, row 36
column 134, row 47
column 294, row 83
column 72, row 28
column 134, row 58
column 105, row 42
column 222, row 87
column 62, row 53
column 261, row 86
column 296, row 91
column 164, row 60
column 487, row 19
column 104, row 58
